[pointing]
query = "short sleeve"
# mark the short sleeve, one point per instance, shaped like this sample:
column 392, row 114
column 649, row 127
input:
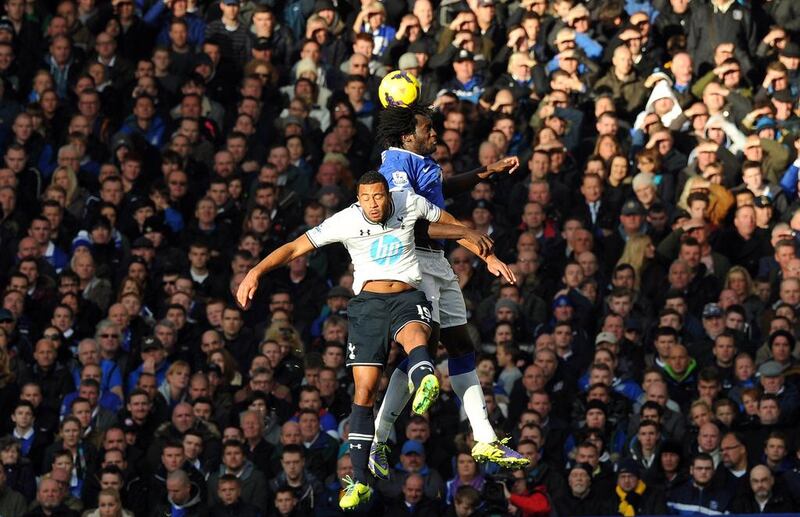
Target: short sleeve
column 424, row 208
column 330, row 231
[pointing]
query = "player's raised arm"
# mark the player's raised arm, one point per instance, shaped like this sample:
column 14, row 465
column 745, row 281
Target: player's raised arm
column 459, row 183
column 280, row 257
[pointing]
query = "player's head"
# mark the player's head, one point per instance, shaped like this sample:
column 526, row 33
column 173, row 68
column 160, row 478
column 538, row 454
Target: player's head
column 372, row 190
column 407, row 128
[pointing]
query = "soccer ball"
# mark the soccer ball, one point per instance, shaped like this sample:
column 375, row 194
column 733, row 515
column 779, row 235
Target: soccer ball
column 398, row 89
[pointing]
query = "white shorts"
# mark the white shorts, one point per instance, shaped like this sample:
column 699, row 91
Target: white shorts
column 440, row 285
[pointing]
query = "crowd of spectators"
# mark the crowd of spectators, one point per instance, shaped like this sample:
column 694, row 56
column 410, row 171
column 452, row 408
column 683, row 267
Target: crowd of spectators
column 645, row 362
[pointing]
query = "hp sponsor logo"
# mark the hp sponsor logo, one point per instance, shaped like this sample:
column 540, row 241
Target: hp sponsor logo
column 386, row 250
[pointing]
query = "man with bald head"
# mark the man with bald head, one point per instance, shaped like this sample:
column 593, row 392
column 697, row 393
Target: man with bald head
column 63, row 478
column 626, row 87
column 682, row 73
column 28, row 247
column 533, row 379
column 54, row 379
column 183, row 417
column 789, row 292
column 672, row 423
column 183, row 497
column 414, row 499
column 764, row 496
column 708, row 441
column 50, row 500
column 290, row 434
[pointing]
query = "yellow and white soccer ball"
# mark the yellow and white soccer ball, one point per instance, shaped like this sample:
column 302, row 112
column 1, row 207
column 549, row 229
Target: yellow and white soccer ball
column 398, row 89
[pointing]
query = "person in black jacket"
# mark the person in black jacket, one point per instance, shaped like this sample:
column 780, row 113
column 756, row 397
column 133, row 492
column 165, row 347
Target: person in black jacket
column 414, row 502
column 711, row 26
column 53, row 378
column 19, row 471
column 229, row 490
column 12, row 503
column 151, row 488
column 32, row 441
column 763, row 496
column 699, row 494
column 580, row 499
column 633, row 496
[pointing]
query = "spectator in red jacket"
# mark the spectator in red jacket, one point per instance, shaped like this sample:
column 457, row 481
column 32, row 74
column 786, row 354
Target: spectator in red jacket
column 529, row 501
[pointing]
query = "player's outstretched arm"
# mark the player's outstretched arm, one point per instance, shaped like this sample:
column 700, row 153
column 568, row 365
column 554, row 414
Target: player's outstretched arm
column 495, row 266
column 459, row 183
column 472, row 240
column 475, row 241
column 280, row 257
column 499, row 268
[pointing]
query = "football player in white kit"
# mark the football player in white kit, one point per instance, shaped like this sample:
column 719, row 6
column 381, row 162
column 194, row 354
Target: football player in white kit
column 410, row 139
column 378, row 232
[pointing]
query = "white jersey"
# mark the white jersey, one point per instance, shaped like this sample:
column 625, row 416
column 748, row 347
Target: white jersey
column 379, row 251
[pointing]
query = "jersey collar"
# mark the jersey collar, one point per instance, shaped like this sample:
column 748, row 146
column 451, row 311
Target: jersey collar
column 405, row 151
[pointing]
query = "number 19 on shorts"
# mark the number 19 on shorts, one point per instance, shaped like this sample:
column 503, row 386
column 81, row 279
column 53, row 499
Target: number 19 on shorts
column 424, row 313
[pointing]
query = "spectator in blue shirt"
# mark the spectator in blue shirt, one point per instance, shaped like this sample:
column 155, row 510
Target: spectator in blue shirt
column 467, row 85
column 154, row 361
column 372, row 20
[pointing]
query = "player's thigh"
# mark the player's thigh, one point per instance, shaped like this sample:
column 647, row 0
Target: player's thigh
column 411, row 319
column 452, row 308
column 368, row 331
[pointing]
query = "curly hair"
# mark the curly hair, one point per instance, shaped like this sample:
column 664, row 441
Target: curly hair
column 396, row 122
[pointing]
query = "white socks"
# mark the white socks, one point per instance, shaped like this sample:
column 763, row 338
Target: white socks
column 396, row 398
column 468, row 388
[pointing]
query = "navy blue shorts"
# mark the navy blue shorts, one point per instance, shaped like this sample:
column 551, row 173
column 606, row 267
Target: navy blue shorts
column 376, row 318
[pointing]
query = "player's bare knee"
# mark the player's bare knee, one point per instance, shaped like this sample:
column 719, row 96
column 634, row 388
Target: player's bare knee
column 365, row 395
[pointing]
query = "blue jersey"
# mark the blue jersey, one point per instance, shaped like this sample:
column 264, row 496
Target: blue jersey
column 420, row 174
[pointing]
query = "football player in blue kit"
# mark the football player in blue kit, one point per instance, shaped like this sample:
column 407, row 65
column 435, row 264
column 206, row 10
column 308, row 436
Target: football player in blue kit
column 409, row 138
